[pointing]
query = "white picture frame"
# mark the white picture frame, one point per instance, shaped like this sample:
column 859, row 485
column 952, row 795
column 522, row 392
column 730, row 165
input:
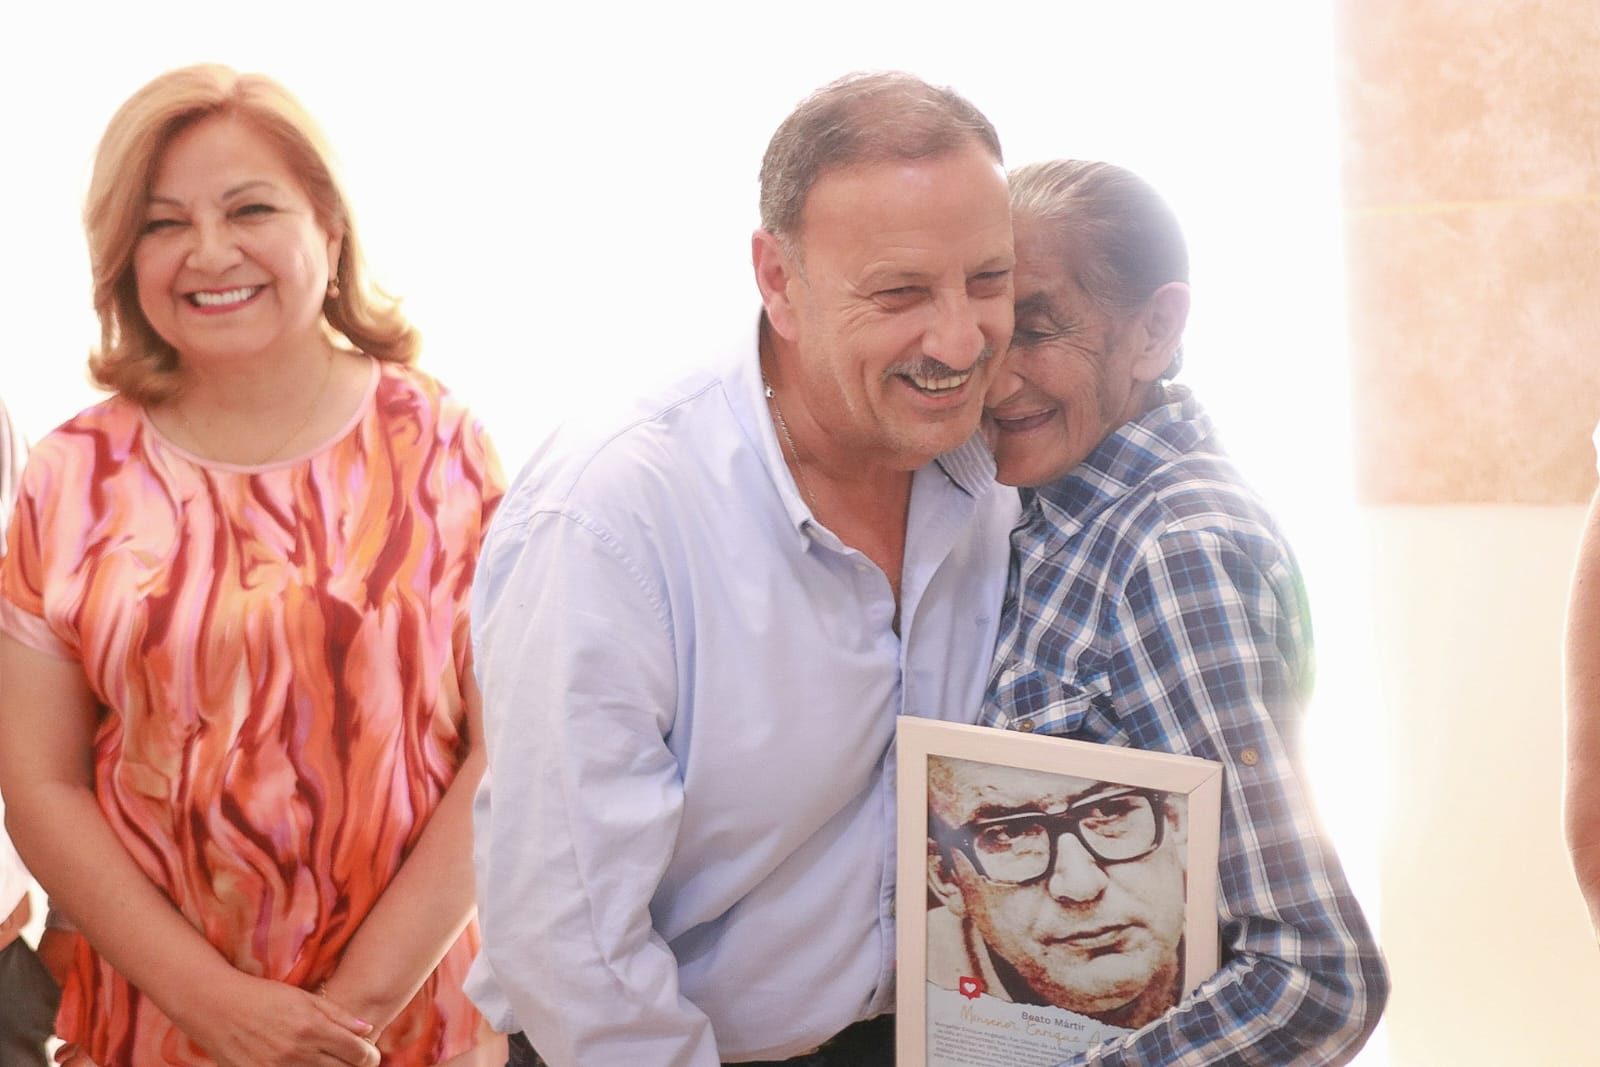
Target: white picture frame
column 946, row 1018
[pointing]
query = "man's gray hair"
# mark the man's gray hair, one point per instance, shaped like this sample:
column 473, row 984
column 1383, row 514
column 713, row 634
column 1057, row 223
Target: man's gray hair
column 865, row 117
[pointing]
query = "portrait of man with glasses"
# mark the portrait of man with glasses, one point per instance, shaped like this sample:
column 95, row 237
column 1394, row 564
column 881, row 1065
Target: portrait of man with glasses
column 1056, row 891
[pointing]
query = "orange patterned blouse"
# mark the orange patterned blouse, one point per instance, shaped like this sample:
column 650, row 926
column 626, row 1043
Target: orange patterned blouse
column 279, row 652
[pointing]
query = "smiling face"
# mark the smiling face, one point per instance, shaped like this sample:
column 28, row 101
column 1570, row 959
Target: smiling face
column 1077, row 369
column 231, row 262
column 1098, row 939
column 896, row 294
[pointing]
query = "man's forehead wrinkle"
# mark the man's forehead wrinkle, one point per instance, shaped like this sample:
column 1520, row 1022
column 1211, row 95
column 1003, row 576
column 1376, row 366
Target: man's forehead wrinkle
column 918, row 260
column 884, row 221
column 894, row 262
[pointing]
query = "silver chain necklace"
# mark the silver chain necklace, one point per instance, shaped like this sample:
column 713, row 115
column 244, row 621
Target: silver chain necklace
column 783, row 428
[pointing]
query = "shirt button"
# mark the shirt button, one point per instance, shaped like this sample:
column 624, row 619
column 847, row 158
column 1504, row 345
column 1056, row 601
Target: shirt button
column 1026, row 726
column 1249, row 757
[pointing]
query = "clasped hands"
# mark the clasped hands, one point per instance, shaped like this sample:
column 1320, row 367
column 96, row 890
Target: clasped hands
column 257, row 1022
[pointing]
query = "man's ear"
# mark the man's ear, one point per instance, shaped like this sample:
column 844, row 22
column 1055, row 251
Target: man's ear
column 942, row 883
column 1165, row 315
column 775, row 270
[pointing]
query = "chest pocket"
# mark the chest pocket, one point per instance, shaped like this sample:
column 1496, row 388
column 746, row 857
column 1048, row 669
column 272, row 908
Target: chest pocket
column 1033, row 701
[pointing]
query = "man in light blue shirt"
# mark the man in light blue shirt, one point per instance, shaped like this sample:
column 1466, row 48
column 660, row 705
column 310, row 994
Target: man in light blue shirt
column 695, row 625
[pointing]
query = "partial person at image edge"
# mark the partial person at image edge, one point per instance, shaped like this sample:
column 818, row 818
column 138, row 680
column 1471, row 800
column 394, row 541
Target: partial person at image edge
column 1581, row 665
column 28, row 991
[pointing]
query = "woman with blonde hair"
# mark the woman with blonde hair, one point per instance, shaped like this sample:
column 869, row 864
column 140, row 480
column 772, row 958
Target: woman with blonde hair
column 239, row 734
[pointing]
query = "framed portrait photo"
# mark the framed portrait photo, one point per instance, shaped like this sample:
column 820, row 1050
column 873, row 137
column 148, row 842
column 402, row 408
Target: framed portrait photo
column 1053, row 894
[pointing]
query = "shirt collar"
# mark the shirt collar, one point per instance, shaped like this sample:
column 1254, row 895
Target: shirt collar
column 1126, row 459
column 970, row 466
column 747, row 394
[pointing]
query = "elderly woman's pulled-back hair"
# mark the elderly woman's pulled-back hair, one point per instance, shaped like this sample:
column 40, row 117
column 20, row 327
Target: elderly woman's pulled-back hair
column 132, row 358
column 1122, row 240
column 866, row 117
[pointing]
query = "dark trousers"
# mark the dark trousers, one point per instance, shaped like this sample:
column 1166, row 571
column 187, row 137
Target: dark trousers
column 864, row 1044
column 28, row 1000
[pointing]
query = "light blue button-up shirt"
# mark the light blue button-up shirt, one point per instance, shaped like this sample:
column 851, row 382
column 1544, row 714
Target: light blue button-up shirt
column 684, row 843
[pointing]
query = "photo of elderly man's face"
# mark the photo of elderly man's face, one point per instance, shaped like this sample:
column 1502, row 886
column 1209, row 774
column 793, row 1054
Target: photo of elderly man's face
column 1069, row 892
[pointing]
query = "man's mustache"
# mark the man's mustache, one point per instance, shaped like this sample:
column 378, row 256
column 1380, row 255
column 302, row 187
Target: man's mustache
column 928, row 367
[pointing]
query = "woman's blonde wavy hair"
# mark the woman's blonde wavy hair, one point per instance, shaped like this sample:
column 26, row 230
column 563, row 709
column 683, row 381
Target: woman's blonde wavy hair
column 132, row 359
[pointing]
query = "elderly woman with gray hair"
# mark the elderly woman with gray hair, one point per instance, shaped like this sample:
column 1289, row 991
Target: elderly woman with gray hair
column 1155, row 604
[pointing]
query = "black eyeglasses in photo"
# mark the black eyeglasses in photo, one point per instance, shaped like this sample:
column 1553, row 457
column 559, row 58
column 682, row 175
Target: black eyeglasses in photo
column 1021, row 848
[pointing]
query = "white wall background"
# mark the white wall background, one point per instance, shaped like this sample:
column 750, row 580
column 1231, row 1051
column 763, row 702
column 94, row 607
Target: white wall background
column 564, row 194
column 1488, row 942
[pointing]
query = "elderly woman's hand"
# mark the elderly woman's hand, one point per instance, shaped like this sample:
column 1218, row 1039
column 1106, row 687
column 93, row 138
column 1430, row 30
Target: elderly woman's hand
column 255, row 1022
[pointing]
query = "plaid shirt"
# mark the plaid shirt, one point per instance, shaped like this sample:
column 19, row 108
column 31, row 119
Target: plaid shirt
column 1153, row 603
